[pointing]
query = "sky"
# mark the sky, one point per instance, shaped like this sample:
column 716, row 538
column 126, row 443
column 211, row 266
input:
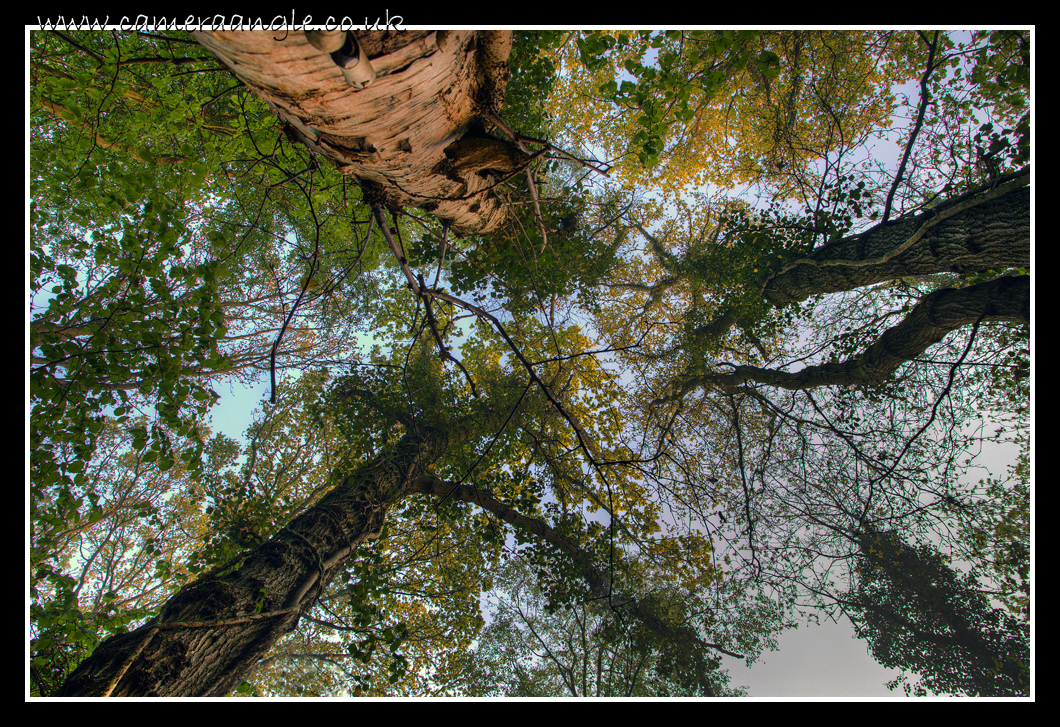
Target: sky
column 815, row 661
column 812, row 661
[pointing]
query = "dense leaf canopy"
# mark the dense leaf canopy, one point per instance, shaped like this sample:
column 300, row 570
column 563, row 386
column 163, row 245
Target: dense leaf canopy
column 743, row 352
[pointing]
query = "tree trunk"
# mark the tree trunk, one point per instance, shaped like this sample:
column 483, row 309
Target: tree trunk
column 933, row 318
column 212, row 631
column 993, row 234
column 398, row 134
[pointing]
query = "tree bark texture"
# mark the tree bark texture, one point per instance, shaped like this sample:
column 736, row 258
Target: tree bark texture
column 994, row 234
column 414, row 134
column 935, row 316
column 212, row 631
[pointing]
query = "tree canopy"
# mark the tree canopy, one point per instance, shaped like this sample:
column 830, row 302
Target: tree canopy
column 656, row 344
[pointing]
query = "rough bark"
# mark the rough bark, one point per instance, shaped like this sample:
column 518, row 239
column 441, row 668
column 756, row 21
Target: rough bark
column 398, row 135
column 212, row 631
column 937, row 314
column 208, row 635
column 973, row 237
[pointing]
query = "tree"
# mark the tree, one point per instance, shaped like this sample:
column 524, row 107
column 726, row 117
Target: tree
column 225, row 623
column 143, row 288
column 582, row 650
column 761, row 105
column 738, row 280
column 115, row 566
column 411, row 154
column 997, row 231
column 836, row 435
column 250, row 606
column 720, row 471
column 918, row 615
column 984, row 231
column 539, row 644
column 73, row 331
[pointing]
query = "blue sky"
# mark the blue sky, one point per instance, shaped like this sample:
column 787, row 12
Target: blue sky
column 812, row 661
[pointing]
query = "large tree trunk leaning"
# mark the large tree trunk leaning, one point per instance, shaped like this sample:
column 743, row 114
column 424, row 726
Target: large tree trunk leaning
column 414, row 133
column 985, row 236
column 212, row 631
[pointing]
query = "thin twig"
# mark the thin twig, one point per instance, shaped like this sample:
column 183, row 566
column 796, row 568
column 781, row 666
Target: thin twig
column 925, row 99
column 443, row 350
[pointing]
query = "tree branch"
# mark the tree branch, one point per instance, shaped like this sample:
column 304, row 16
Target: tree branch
column 984, row 229
column 925, row 99
column 1001, row 299
column 599, row 585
